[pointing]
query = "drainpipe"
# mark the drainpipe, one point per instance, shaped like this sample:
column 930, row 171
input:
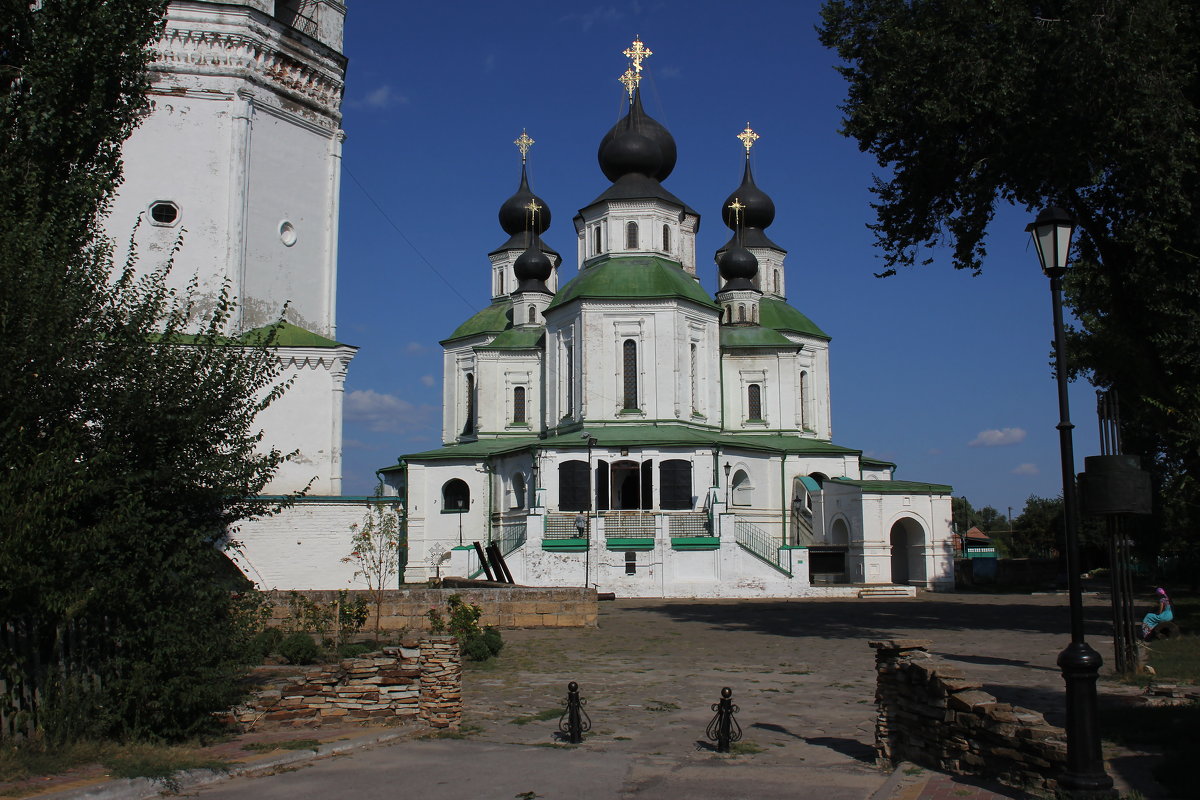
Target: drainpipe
column 783, row 505
column 487, row 468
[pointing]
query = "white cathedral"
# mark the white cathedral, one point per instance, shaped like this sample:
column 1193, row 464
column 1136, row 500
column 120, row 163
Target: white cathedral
column 626, row 430
column 631, row 432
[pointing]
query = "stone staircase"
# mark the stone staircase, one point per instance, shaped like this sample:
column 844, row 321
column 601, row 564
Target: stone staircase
column 868, row 592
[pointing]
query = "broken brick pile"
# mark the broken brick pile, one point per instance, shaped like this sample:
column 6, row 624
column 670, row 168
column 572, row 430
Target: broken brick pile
column 932, row 715
column 421, row 679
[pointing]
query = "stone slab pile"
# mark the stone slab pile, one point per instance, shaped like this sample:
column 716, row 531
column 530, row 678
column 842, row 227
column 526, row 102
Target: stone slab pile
column 419, row 679
column 931, row 714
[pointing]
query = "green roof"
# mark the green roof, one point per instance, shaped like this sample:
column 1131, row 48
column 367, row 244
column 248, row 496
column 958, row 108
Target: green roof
column 285, row 335
column 753, row 336
column 517, row 339
column 897, row 487
column 633, row 436
column 631, row 278
column 776, row 314
column 495, row 318
column 876, row 463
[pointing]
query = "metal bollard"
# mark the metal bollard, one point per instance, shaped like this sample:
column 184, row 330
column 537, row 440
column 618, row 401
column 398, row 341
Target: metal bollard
column 574, row 721
column 724, row 729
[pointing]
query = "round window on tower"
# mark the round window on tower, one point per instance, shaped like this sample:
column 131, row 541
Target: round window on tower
column 287, row 233
column 164, row 213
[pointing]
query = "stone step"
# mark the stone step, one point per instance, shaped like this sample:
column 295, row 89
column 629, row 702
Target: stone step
column 887, row 591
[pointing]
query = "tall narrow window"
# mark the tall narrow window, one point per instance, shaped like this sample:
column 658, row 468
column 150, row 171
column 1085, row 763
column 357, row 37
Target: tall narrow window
column 501, row 281
column 532, row 315
column 695, row 382
column 804, row 421
column 519, row 405
column 741, row 313
column 569, row 355
column 675, row 484
column 631, row 236
column 629, row 362
column 469, row 424
column 754, row 402
column 776, row 282
column 573, row 486
column 666, row 238
column 596, row 240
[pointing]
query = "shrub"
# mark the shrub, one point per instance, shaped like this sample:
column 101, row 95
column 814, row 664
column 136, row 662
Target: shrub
column 493, row 640
column 354, row 649
column 476, row 649
column 299, row 648
column 266, row 642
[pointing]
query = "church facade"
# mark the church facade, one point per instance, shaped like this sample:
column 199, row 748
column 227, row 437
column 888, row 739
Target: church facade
column 630, row 431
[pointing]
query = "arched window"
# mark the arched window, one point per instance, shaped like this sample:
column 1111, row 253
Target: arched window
column 741, row 313
column 469, row 424
column 573, row 486
column 695, row 380
column 776, row 281
column 629, row 363
column 596, row 240
column 501, row 277
column 631, row 236
column 667, row 238
column 532, row 315
column 675, row 484
column 743, row 492
column 754, row 402
column 519, row 491
column 518, row 405
column 456, row 497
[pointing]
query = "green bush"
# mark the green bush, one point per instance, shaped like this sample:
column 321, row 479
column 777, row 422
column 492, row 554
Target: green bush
column 266, row 642
column 476, row 649
column 299, row 648
column 493, row 640
column 354, row 649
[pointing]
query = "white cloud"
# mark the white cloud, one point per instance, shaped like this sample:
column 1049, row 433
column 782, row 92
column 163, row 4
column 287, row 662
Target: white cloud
column 593, row 15
column 386, row 413
column 427, row 380
column 381, row 97
column 412, row 348
column 997, row 437
column 1025, row 469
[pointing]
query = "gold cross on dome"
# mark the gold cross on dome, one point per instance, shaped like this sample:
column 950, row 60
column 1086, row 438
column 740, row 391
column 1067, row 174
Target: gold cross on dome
column 533, row 208
column 737, row 206
column 637, row 53
column 748, row 138
column 631, row 80
column 523, row 143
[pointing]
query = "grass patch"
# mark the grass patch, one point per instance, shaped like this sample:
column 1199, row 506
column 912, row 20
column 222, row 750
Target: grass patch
column 287, row 744
column 1176, row 659
column 1171, row 728
column 157, row 762
column 541, row 716
column 745, row 748
column 463, row 731
column 661, row 705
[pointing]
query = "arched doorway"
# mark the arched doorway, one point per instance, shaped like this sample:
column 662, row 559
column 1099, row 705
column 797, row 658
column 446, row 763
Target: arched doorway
column 626, row 485
column 908, row 552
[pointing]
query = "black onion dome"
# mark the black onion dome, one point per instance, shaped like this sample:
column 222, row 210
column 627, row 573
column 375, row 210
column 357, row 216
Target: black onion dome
column 514, row 213
column 759, row 211
column 738, row 266
column 532, row 268
column 632, row 156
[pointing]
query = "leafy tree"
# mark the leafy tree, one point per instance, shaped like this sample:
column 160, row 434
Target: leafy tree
column 127, row 428
column 1088, row 106
column 375, row 550
column 1038, row 530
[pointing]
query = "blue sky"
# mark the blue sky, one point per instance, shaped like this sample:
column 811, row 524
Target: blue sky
column 945, row 373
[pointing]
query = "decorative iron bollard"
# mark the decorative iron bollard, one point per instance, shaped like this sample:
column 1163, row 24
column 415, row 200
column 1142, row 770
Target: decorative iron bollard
column 574, row 721
column 724, row 729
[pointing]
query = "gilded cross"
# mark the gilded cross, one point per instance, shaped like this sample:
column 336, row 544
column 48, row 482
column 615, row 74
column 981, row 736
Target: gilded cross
column 637, row 53
column 748, row 138
column 631, row 80
column 523, row 143
column 737, row 206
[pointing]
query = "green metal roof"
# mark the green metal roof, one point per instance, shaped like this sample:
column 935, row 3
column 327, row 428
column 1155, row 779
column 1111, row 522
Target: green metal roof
column 776, row 314
column 476, row 449
column 875, row 462
column 753, row 336
column 517, row 339
column 285, row 335
column 631, row 278
column 897, row 487
column 495, row 318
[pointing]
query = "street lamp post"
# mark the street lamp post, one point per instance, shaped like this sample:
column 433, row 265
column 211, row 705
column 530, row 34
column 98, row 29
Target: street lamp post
column 1080, row 664
column 591, row 490
column 460, row 505
column 728, row 467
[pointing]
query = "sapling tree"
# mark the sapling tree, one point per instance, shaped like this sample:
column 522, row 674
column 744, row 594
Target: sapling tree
column 375, row 550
